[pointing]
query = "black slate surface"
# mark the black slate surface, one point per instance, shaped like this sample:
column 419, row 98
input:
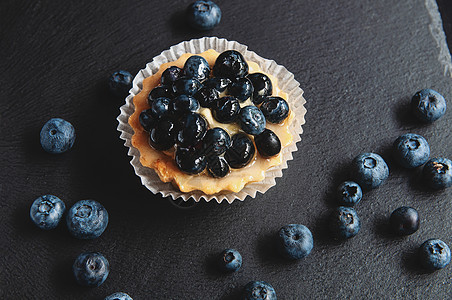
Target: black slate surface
column 359, row 62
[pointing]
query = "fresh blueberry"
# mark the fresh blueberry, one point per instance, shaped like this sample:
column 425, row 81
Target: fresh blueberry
column 434, row 254
column 217, row 167
column 163, row 135
column 404, row 220
column 203, row 15
column 369, row 170
column 215, row 142
column 267, row 143
column 295, row 241
column 262, row 86
column 218, row 83
column 411, row 150
column 344, row 222
column 275, row 109
column 120, row 82
column 186, row 86
column 230, row 260
column 349, row 193
column 147, row 120
column 230, row 64
column 241, row 151
column 193, row 127
column 91, row 269
column 226, row 109
column 184, row 103
column 190, row 161
column 428, row 105
column 57, row 136
column 161, row 107
column 437, row 173
column 118, row 296
column 207, row 96
column 170, row 75
column 87, row 219
column 241, row 88
column 47, row 211
column 197, row 67
column 258, row 290
column 259, row 99
column 159, row 92
column 252, row 120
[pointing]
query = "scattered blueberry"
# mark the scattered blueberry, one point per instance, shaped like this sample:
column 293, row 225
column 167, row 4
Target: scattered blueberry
column 344, row 222
column 57, row 136
column 120, row 82
column 428, row 105
column 183, row 104
column 258, row 290
column 275, row 109
column 241, row 88
column 47, row 211
column 434, row 254
column 262, row 86
column 217, row 167
column 215, row 142
column 404, row 220
column 193, row 127
column 252, row 120
column 241, row 151
column 163, row 135
column 230, row 64
column 161, row 107
column 207, row 96
column 295, row 241
column 147, row 120
column 186, row 86
column 437, row 173
column 87, row 219
column 170, row 75
column 230, row 260
column 197, row 67
column 349, row 193
column 91, row 269
column 369, row 170
column 190, row 161
column 203, row 15
column 411, row 150
column 226, row 109
column 267, row 143
column 159, row 92
column 118, row 296
column 218, row 83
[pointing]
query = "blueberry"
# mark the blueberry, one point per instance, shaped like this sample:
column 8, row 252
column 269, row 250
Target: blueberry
column 193, row 127
column 349, row 193
column 183, row 104
column 159, row 92
column 404, row 220
column 258, row 290
column 217, row 167
column 369, row 170
column 241, row 151
column 230, row 260
column 91, row 269
column 344, row 222
column 218, row 83
column 241, row 88
column 147, row 120
column 118, row 296
column 87, row 219
column 226, row 109
column 295, row 241
column 57, row 136
column 163, row 135
column 190, row 161
column 252, row 120
column 203, row 15
column 275, row 109
column 186, row 86
column 47, row 211
column 120, row 82
column 262, row 86
column 428, row 105
column 267, row 143
column 197, row 67
column 161, row 107
column 170, row 75
column 434, row 254
column 230, row 64
column 207, row 96
column 411, row 150
column 437, row 173
column 215, row 142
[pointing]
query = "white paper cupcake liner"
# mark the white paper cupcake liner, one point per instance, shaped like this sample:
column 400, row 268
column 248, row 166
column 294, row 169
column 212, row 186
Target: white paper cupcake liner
column 286, row 83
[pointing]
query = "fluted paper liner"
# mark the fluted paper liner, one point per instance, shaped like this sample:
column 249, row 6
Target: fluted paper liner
column 286, row 83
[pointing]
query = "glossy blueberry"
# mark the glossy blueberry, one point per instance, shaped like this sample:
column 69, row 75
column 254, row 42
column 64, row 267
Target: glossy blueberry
column 120, row 82
column 57, row 136
column 295, row 241
column 91, row 269
column 349, row 193
column 203, row 15
column 183, row 104
column 344, row 222
column 437, row 173
column 197, row 67
column 262, row 86
column 215, row 142
column 226, row 109
column 87, row 219
column 404, row 220
column 252, row 120
column 147, row 120
column 241, row 151
column 428, row 105
column 267, row 143
column 241, row 88
column 217, row 166
column 47, row 211
column 170, row 75
column 159, row 92
column 207, row 96
column 190, row 161
column 193, row 127
column 434, row 254
column 118, row 296
column 258, row 290
column 161, row 107
column 186, row 86
column 230, row 260
column 230, row 64
column 410, row 150
column 163, row 135
column 369, row 170
column 218, row 83
column 275, row 109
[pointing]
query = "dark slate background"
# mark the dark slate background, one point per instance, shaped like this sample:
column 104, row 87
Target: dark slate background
column 359, row 62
